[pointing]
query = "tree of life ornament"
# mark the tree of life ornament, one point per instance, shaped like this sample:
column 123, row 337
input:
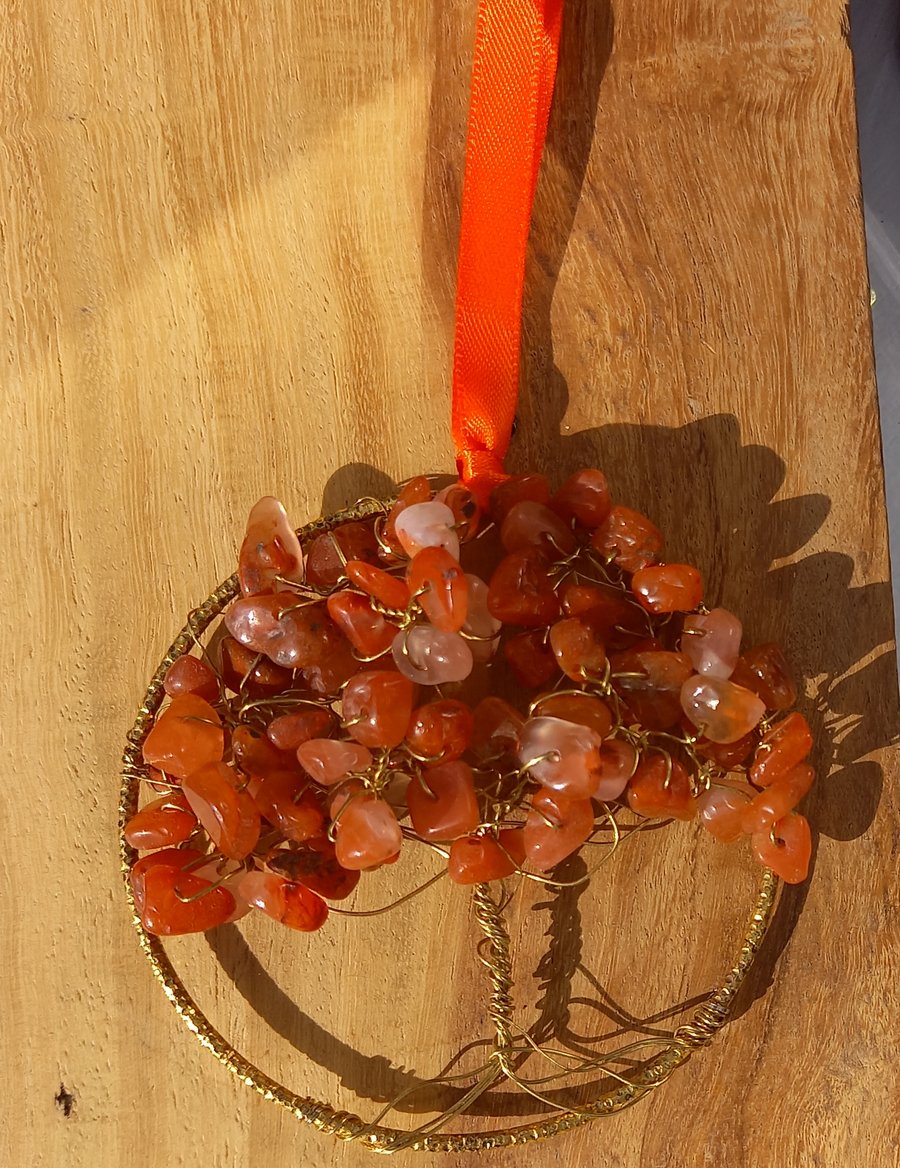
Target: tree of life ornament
column 203, row 866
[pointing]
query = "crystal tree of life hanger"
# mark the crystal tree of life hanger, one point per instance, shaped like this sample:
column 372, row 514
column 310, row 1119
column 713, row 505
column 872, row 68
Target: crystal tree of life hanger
column 502, row 671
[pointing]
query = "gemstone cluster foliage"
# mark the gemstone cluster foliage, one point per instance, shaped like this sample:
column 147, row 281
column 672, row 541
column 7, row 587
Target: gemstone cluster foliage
column 503, row 681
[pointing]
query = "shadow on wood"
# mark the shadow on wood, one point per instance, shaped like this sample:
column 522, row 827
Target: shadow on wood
column 378, row 1079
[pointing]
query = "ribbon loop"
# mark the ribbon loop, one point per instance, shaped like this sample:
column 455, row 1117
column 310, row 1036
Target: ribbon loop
column 513, row 72
column 482, row 466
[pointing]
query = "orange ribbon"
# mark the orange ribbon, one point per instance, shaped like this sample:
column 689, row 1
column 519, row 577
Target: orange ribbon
column 514, row 67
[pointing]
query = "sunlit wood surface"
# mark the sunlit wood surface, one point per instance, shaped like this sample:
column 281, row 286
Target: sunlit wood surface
column 228, row 235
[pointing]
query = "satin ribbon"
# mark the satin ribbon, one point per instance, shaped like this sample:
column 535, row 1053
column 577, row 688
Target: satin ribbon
column 514, row 68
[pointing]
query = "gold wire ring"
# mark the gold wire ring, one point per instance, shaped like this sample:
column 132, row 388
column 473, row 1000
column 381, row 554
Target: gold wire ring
column 699, row 1032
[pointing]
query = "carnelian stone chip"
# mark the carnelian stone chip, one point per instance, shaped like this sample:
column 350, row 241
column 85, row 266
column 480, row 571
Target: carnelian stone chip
column 648, row 645
column 495, row 730
column 425, row 525
column 650, row 682
column 366, row 630
column 529, row 524
column 167, row 911
column 292, row 633
column 725, row 754
column 616, row 620
column 262, row 622
column 662, row 588
column 786, row 848
column 712, row 641
column 186, row 736
column 288, row 731
column 350, row 789
column 628, row 539
column 270, row 549
column 440, row 586
column 314, row 864
column 254, row 754
column 389, row 590
column 776, row 800
column 617, row 761
column 467, row 513
column 478, row 859
column 250, row 672
column 417, row 490
column 531, row 659
column 571, row 821
column 286, row 901
column 377, row 706
column 337, row 665
column 367, row 833
column 177, row 858
column 328, row 761
column 512, row 843
column 721, row 813
column 289, row 803
column 161, row 824
column 578, row 649
column 442, row 803
column 481, row 629
column 216, row 870
column 782, row 747
column 189, row 674
column 330, row 552
column 561, row 755
column 661, row 789
column 228, row 815
column 581, row 708
column 440, row 731
column 765, row 671
column 520, row 591
column 171, row 902
column 584, row 496
column 722, row 711
column 578, row 599
column 517, row 489
column 426, row 656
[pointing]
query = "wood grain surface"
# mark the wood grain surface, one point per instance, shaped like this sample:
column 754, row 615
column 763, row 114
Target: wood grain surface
column 228, row 233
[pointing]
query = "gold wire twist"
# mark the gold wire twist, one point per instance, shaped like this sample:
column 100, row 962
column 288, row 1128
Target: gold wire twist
column 494, row 950
column 499, row 967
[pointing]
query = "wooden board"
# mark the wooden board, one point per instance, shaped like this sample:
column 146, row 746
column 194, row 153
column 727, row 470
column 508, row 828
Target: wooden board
column 228, row 245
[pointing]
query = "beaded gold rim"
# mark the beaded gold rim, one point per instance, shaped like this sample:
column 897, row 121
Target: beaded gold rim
column 707, row 1020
